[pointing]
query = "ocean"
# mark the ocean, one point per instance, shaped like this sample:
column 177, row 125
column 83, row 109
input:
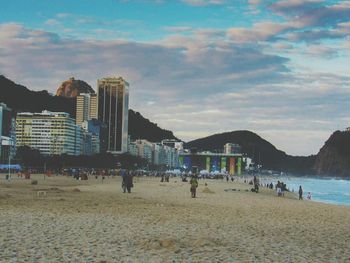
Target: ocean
column 326, row 190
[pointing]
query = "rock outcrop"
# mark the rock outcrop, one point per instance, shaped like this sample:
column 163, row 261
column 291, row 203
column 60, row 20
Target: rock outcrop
column 333, row 158
column 72, row 88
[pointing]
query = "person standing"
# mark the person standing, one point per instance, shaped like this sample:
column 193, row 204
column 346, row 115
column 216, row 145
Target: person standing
column 256, row 184
column 127, row 182
column 194, row 185
column 308, row 196
column 300, row 193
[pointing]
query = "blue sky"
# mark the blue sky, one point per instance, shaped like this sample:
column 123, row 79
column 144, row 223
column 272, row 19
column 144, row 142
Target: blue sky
column 196, row 67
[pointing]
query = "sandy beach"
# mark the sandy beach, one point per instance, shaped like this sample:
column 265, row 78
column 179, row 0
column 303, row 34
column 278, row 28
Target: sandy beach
column 94, row 221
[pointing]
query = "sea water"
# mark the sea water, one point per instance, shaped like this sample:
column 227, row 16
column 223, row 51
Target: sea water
column 332, row 191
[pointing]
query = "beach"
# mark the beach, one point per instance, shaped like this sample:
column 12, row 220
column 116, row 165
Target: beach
column 66, row 220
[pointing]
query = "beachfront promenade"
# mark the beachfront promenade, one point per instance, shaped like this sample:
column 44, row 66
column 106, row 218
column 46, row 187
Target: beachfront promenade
column 91, row 221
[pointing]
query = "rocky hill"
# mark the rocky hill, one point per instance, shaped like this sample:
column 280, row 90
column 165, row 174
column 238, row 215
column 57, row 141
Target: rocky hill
column 20, row 99
column 260, row 150
column 333, row 158
column 140, row 127
column 72, row 88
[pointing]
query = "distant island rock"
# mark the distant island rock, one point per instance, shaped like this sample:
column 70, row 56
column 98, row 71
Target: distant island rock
column 73, row 87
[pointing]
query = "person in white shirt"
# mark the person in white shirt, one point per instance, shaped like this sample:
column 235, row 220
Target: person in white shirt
column 308, row 196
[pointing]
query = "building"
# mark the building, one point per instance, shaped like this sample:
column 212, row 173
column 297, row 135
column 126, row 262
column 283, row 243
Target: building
column 7, row 134
column 159, row 154
column 93, row 111
column 86, row 117
column 144, row 149
column 178, row 145
column 232, row 148
column 171, row 157
column 133, row 149
column 86, row 108
column 50, row 132
column 91, row 136
column 78, row 140
column 155, row 153
column 113, row 111
column 212, row 162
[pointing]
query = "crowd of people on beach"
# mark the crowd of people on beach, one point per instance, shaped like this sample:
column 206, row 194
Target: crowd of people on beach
column 128, row 175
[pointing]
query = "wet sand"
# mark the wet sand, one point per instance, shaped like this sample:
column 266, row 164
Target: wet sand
column 91, row 221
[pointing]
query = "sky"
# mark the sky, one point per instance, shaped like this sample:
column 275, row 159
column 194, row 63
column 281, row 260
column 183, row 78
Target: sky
column 279, row 68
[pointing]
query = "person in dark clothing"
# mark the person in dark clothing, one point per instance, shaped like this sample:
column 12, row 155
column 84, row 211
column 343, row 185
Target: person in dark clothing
column 256, row 184
column 300, row 193
column 127, row 183
column 194, row 185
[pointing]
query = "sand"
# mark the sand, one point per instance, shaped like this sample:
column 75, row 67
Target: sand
column 91, row 221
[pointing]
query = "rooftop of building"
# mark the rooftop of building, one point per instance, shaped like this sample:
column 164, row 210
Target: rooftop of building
column 3, row 105
column 44, row 113
column 211, row 154
column 113, row 79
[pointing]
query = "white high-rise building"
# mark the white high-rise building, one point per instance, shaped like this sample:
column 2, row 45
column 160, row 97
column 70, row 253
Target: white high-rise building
column 50, row 132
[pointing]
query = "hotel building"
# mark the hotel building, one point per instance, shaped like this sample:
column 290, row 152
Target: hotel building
column 50, row 132
column 113, row 112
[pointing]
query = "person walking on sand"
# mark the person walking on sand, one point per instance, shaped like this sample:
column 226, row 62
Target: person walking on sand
column 194, row 185
column 300, row 193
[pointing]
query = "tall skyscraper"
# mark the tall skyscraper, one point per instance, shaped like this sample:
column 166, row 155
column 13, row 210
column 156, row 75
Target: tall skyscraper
column 86, row 107
column 113, row 112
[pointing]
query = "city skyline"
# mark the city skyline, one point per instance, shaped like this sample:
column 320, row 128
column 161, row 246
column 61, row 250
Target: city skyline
column 196, row 67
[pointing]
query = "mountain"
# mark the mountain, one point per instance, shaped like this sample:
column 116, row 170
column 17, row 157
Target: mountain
column 73, row 87
column 333, row 159
column 255, row 147
column 140, row 127
column 20, row 99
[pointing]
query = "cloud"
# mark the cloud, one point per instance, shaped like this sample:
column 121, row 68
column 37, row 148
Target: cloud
column 254, row 2
column 313, row 12
column 202, row 82
column 262, row 31
column 178, row 29
column 304, row 20
column 204, row 2
column 295, row 6
column 52, row 22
